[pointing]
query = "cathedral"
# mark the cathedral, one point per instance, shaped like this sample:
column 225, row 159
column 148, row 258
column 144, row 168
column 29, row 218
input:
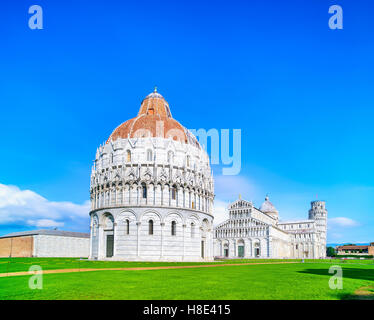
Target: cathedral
column 152, row 193
column 257, row 233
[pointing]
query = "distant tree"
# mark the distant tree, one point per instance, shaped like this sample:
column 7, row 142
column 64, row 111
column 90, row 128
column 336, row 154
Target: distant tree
column 330, row 252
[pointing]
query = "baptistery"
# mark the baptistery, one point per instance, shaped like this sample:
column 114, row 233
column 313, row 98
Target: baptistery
column 151, row 191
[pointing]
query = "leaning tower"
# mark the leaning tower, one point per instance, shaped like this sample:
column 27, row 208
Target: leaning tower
column 318, row 213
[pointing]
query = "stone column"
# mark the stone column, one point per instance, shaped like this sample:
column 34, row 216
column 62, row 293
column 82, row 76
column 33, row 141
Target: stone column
column 270, row 247
column 162, row 194
column 162, row 224
column 100, row 242
column 137, row 194
column 91, row 239
column 130, row 194
column 183, row 233
column 114, row 239
column 137, row 239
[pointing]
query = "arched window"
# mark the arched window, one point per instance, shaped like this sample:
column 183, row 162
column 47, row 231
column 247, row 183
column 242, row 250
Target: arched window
column 144, row 188
column 149, row 155
column 173, row 228
column 150, row 227
column 127, row 226
column 128, row 156
column 173, row 193
column 188, row 161
column 192, row 230
column 170, row 157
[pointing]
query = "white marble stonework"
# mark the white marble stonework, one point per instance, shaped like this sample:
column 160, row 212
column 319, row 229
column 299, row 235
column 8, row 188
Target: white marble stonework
column 256, row 233
column 151, row 195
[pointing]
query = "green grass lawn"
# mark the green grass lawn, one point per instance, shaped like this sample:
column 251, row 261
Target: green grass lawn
column 307, row 280
column 23, row 264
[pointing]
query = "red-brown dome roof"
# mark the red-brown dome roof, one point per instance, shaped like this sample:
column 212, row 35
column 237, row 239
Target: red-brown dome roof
column 154, row 120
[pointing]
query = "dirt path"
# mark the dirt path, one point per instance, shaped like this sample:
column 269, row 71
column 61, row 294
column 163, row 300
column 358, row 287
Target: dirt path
column 27, row 273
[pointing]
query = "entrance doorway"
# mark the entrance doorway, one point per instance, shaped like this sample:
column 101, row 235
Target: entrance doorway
column 109, row 245
column 257, row 252
column 257, row 249
column 241, row 251
column 202, row 249
column 108, row 235
column 226, row 252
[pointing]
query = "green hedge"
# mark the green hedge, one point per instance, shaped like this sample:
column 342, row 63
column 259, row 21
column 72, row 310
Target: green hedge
column 354, row 256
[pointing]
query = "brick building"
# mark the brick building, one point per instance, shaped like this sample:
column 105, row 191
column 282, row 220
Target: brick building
column 356, row 250
column 45, row 243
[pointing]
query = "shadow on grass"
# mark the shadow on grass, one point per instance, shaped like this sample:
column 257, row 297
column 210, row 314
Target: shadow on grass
column 363, row 293
column 353, row 273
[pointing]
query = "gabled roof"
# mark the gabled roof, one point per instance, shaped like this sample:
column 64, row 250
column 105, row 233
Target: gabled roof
column 352, row 247
column 296, row 221
column 241, row 204
column 47, row 232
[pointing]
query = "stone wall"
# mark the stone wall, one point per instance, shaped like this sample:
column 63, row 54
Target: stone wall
column 16, row 247
column 59, row 246
column 133, row 240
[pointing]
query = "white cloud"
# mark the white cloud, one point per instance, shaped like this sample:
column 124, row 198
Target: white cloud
column 342, row 222
column 45, row 223
column 25, row 207
column 220, row 211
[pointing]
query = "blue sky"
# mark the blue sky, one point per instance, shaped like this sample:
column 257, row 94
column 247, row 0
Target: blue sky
column 302, row 95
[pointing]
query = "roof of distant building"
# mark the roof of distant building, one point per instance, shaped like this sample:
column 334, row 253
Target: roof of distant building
column 296, row 221
column 352, row 247
column 47, row 232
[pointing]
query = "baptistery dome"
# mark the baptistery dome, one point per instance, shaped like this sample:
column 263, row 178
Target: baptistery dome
column 154, row 120
column 151, row 191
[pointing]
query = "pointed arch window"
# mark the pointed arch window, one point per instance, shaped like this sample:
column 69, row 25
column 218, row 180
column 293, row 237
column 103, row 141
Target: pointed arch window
column 149, row 155
column 173, row 192
column 128, row 156
column 173, row 228
column 188, row 161
column 192, row 230
column 150, row 227
column 144, row 189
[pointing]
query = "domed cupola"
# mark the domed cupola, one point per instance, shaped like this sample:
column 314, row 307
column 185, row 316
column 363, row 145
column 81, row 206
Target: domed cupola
column 268, row 208
column 154, row 119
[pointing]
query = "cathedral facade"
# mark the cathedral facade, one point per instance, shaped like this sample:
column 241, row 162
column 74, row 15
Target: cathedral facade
column 152, row 191
column 257, row 233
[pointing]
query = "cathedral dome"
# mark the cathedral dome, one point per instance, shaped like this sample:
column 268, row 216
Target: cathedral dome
column 154, row 119
column 268, row 207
